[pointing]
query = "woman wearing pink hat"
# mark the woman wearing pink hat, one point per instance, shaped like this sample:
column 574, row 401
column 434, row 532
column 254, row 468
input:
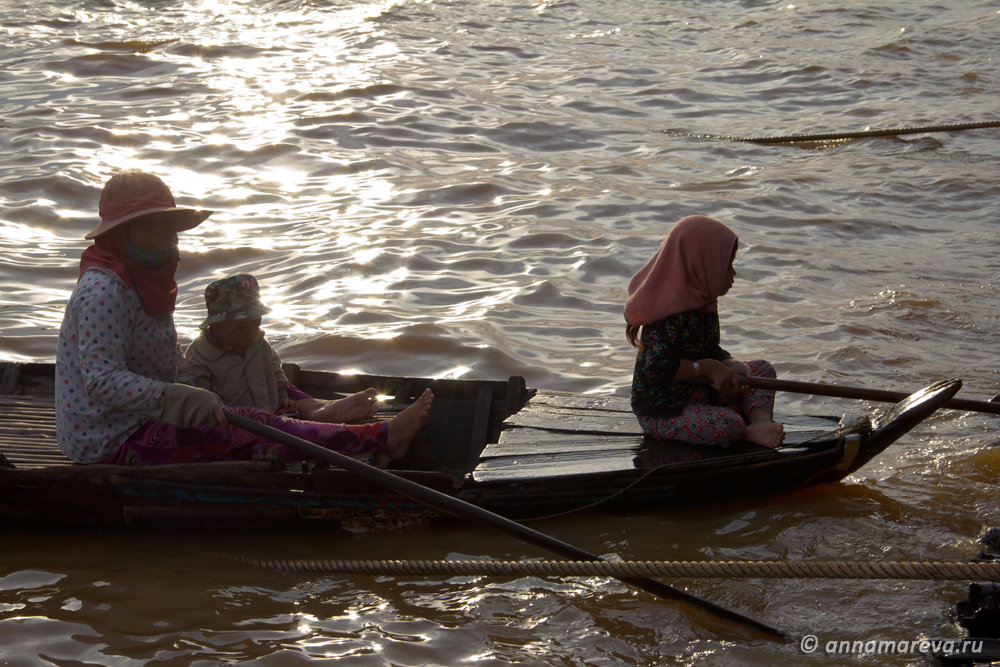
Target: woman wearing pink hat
column 685, row 387
column 120, row 395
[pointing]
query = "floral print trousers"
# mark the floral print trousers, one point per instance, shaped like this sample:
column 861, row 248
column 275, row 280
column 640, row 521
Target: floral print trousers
column 702, row 423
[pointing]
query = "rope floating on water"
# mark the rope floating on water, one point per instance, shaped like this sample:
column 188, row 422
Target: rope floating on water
column 937, row 571
column 841, row 136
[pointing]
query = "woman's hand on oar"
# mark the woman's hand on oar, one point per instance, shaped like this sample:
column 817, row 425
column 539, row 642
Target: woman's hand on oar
column 185, row 406
column 457, row 506
column 841, row 391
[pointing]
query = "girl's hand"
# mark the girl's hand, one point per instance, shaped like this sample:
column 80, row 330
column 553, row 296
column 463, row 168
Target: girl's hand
column 723, row 376
column 738, row 367
column 742, row 372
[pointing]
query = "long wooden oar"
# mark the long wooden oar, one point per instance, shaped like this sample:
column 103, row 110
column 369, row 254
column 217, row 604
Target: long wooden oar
column 456, row 506
column 841, row 391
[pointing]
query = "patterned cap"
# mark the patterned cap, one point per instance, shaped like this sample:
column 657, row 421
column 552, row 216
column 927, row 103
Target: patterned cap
column 232, row 298
column 132, row 194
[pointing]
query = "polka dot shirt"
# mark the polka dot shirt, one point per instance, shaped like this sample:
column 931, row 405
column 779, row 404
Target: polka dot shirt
column 112, row 363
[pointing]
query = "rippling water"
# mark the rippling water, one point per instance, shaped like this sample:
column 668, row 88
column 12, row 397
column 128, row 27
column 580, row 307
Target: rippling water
column 462, row 189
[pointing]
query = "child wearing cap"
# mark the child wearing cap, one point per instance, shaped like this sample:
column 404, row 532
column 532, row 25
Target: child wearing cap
column 232, row 358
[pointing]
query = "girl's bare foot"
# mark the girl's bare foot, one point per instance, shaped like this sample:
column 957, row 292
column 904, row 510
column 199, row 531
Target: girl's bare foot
column 404, row 426
column 362, row 405
column 766, row 433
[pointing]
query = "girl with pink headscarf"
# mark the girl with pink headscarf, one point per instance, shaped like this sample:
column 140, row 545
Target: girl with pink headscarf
column 685, row 386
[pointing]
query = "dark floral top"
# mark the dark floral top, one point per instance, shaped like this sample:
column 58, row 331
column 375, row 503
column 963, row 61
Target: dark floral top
column 690, row 335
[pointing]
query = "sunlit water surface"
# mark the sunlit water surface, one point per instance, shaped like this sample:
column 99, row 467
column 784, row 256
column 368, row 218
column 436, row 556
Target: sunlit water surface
column 462, row 189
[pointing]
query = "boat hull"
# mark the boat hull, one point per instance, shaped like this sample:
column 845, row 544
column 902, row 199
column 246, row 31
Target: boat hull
column 497, row 445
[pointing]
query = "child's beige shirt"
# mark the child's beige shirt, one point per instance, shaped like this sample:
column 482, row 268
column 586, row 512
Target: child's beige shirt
column 253, row 379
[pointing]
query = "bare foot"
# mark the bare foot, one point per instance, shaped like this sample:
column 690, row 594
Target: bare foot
column 362, row 405
column 404, row 426
column 767, row 433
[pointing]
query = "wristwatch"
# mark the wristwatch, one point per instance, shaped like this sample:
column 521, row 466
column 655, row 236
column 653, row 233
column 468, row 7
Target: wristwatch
column 697, row 369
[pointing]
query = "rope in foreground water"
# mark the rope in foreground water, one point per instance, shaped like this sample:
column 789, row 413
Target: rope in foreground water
column 843, row 136
column 936, row 571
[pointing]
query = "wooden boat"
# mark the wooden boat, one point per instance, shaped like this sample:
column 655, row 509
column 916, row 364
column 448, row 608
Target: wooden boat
column 496, row 444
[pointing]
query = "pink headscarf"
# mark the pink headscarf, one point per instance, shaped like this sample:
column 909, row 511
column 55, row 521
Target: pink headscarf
column 688, row 272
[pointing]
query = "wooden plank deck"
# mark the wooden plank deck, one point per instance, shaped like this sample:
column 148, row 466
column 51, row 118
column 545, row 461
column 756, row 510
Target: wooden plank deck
column 577, row 413
column 558, row 434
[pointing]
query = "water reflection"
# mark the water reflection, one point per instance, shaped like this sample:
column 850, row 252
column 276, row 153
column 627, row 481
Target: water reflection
column 463, row 189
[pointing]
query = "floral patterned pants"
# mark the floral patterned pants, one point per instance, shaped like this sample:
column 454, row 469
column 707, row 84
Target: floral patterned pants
column 702, row 423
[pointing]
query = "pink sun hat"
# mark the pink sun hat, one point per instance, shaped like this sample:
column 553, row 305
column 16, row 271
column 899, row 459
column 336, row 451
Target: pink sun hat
column 132, row 194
